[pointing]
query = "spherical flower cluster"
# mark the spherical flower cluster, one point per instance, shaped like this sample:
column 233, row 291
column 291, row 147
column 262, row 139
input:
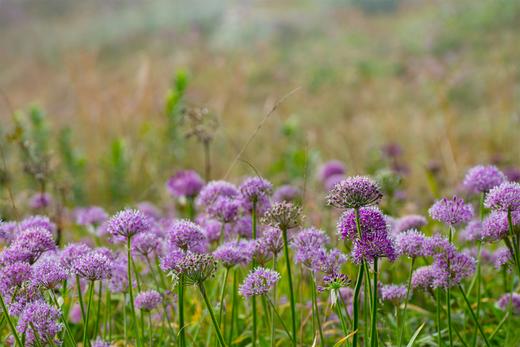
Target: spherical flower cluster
column 14, row 275
column 354, row 192
column 332, row 181
column 145, row 244
column 392, row 292
column 452, row 211
column 505, row 197
column 196, row 267
column 481, row 179
column 423, row 277
column 8, row 231
column 71, row 252
column 512, row 173
column 212, row 228
column 331, row 168
column 243, row 227
column 171, row 259
column 286, row 193
column 373, row 245
column 472, row 232
column 150, row 210
column 90, row 216
column 224, row 209
column 328, row 261
column 272, row 239
column 507, row 300
column 307, row 244
column 438, row 246
column 99, row 342
column 253, row 188
column 28, row 246
column 37, row 222
column 233, row 253
column 214, row 189
column 371, row 220
column 412, row 221
column 48, row 273
column 186, row 183
column 187, row 235
column 501, row 257
column 92, row 266
column 128, row 223
column 283, row 215
column 496, row 225
column 258, row 282
column 450, row 274
column 410, row 243
column 40, row 200
column 39, row 321
column 148, row 300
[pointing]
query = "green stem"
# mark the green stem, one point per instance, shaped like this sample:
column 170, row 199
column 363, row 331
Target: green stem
column 80, row 298
column 438, row 315
column 448, row 296
column 255, row 323
column 212, row 315
column 317, row 310
column 63, row 319
column 373, row 330
column 234, row 306
column 279, row 318
column 86, row 340
column 274, row 299
column 9, row 321
column 98, row 313
column 355, row 299
column 182, row 333
column 403, row 320
column 150, row 330
column 339, row 313
column 125, row 329
column 289, row 279
column 131, row 292
column 222, row 293
column 475, row 319
column 191, row 208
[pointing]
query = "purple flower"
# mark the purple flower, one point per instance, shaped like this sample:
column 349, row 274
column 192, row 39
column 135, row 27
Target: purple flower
column 171, row 259
column 451, row 273
column 215, row 189
column 243, row 227
column 71, row 252
column 260, row 251
column 505, row 197
column 283, row 215
column 410, row 243
column 92, row 266
column 145, row 244
column 371, row 220
column 501, row 257
column 258, row 282
column 373, row 245
column 99, row 342
column 37, row 222
column 508, row 299
column 412, row 221
column 332, row 181
column 48, row 272
column 224, row 209
column 8, row 230
column 512, row 173
column 253, row 188
column 496, row 226
column 128, row 223
column 14, row 275
column 28, row 246
column 233, row 253
column 118, row 282
column 331, row 168
column 286, row 193
column 90, row 216
column 186, row 183
column 438, row 246
column 329, row 262
column 423, row 277
column 40, row 200
column 273, row 240
column 41, row 318
column 187, row 235
column 354, row 192
column 334, row 282
column 150, row 210
column 472, row 232
column 452, row 211
column 196, row 267
column 307, row 244
column 213, row 228
column 480, row 178
column 392, row 292
column 148, row 300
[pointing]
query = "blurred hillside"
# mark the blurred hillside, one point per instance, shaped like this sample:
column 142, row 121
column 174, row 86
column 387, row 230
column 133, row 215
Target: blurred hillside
column 441, row 78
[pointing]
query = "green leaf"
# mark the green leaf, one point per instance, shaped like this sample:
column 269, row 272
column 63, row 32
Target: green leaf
column 417, row 332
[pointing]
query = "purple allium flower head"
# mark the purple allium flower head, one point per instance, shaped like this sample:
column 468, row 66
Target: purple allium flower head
column 501, row 257
column 480, row 178
column 196, row 267
column 186, row 183
column 14, row 275
column 438, row 245
column 171, row 259
column 187, row 235
column 92, row 266
column 393, row 292
column 423, row 277
column 150, row 210
column 354, row 192
column 258, row 282
column 75, row 314
column 334, row 282
column 273, row 240
column 215, row 189
column 233, row 253
column 118, row 282
column 253, row 188
column 224, row 209
column 452, row 211
column 286, row 193
column 145, row 244
column 410, row 243
column 505, row 197
column 39, row 320
column 29, row 245
column 371, row 220
column 71, row 252
column 307, row 244
column 48, row 272
column 413, row 221
column 512, row 173
column 37, row 222
column 99, row 342
column 283, row 215
column 333, row 180
column 243, row 227
column 496, row 225
column 148, row 300
column 260, row 251
column 40, row 200
column 372, row 245
column 128, row 223
column 451, row 273
column 329, row 262
column 8, row 230
column 213, row 228
column 90, row 216
column 472, row 232
column 509, row 299
column 331, row 168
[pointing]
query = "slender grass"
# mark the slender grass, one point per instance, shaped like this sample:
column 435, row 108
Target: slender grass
column 402, row 324
column 475, row 319
column 357, row 289
column 448, row 296
column 253, row 265
column 212, row 315
column 316, row 310
column 234, row 308
column 289, row 280
column 373, row 330
column 86, row 340
column 182, row 332
column 131, row 293
column 10, row 322
column 438, row 315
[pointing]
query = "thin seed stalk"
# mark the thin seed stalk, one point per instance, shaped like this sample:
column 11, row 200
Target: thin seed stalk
column 448, row 297
column 98, row 311
column 212, row 315
column 403, row 319
column 317, row 311
column 373, row 331
column 182, row 333
column 222, row 293
column 289, row 280
column 131, row 293
column 253, row 265
column 357, row 289
column 475, row 319
column 10, row 322
column 234, row 306
column 438, row 315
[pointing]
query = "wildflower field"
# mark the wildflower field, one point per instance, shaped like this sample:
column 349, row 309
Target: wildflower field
column 256, row 173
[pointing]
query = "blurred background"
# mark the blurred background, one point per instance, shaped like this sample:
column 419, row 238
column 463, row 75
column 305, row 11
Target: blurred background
column 101, row 101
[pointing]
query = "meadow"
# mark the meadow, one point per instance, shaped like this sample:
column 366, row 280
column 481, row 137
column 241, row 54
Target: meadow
column 206, row 173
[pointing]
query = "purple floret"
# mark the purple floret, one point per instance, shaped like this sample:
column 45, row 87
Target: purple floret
column 331, row 168
column 186, row 183
column 258, row 282
column 233, row 253
column 286, row 193
column 41, row 318
column 215, row 189
column 92, row 266
column 145, row 244
column 393, row 292
column 40, row 201
column 501, row 257
column 481, row 179
column 148, row 300
column 413, row 221
column 224, row 209
column 128, row 223
column 187, row 235
column 509, row 299
column 90, row 216
column 452, row 211
column 354, row 192
column 410, row 243
column 472, row 232
column 373, row 245
column 505, row 197
column 371, row 220
column 48, row 272
column 496, row 225
column 253, row 188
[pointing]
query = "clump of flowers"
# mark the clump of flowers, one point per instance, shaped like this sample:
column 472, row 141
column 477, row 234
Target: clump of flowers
column 48, row 273
column 371, row 220
column 258, row 282
column 39, row 322
column 354, row 192
column 92, row 266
